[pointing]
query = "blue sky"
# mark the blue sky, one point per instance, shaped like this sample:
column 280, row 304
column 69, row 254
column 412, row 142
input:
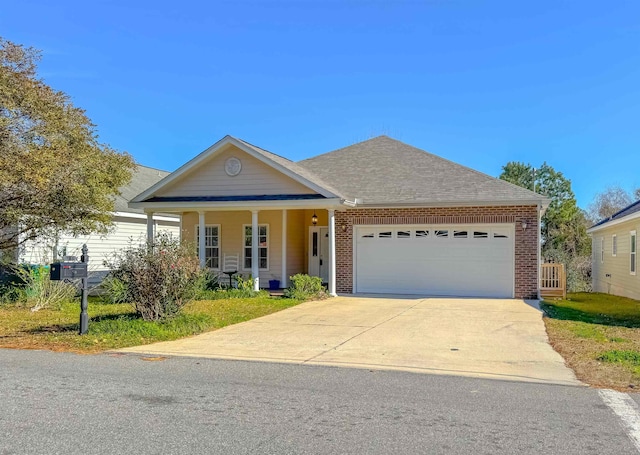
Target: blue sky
column 479, row 83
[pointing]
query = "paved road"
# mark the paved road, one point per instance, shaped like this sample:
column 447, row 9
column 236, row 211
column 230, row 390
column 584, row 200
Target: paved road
column 70, row 404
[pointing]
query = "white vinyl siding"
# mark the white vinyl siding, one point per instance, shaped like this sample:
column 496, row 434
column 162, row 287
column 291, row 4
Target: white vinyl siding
column 615, row 274
column 126, row 232
column 211, row 245
column 474, row 260
column 255, row 178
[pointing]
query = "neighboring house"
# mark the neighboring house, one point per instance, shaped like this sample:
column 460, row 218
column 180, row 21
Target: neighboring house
column 615, row 253
column 129, row 226
column 379, row 216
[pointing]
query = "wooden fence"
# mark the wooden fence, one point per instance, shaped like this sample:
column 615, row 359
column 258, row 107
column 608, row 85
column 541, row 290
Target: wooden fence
column 553, row 281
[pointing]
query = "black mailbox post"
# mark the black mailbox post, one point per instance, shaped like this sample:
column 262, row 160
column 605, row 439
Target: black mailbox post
column 61, row 271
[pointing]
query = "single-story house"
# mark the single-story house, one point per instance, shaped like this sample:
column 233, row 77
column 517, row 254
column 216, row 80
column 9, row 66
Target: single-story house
column 379, row 216
column 615, row 253
column 129, row 226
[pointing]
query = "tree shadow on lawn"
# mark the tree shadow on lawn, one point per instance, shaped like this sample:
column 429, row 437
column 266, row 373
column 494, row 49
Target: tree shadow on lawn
column 556, row 310
column 74, row 327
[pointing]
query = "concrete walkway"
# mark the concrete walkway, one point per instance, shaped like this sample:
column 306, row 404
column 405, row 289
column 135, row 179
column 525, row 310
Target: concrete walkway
column 492, row 338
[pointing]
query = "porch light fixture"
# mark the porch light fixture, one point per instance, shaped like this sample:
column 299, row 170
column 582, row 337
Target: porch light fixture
column 344, row 228
column 524, row 225
column 314, row 219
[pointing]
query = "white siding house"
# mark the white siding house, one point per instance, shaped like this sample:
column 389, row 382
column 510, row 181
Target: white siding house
column 615, row 253
column 129, row 228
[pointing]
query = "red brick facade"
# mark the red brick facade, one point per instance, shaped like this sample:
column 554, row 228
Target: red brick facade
column 526, row 241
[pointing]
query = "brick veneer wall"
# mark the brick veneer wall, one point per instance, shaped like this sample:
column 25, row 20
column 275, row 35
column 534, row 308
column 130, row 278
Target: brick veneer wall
column 526, row 241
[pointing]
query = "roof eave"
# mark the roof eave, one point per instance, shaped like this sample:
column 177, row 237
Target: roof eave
column 608, row 224
column 212, row 150
column 543, row 204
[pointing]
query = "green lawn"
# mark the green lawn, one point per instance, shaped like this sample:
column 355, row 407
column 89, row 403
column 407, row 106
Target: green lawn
column 596, row 308
column 599, row 337
column 116, row 325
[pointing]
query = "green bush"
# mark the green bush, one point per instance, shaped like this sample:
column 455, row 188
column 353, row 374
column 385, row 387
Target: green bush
column 11, row 285
column 305, row 287
column 208, row 280
column 578, row 269
column 114, row 290
column 243, row 290
column 233, row 293
column 40, row 292
column 158, row 281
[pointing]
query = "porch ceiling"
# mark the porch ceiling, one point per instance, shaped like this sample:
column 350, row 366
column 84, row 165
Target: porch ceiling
column 237, row 203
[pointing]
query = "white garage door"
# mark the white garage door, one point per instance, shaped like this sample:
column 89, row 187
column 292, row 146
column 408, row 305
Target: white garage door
column 466, row 260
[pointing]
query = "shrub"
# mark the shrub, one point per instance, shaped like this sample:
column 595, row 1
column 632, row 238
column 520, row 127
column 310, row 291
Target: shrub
column 304, row 287
column 40, row 292
column 114, row 290
column 234, row 293
column 578, row 269
column 205, row 284
column 243, row 290
column 158, row 281
column 11, row 284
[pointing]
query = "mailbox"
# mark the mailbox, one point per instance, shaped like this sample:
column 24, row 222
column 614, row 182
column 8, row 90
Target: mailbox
column 68, row 270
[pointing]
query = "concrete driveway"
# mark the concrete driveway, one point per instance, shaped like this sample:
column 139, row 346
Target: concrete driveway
column 494, row 338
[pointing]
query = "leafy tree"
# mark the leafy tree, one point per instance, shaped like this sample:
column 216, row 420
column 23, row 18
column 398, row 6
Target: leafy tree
column 54, row 174
column 610, row 201
column 564, row 224
column 520, row 174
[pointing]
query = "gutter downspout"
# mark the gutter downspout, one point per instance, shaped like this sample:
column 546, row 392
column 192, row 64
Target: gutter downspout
column 538, row 250
column 353, row 203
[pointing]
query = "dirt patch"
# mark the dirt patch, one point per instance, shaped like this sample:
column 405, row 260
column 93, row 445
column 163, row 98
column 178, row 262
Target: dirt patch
column 581, row 344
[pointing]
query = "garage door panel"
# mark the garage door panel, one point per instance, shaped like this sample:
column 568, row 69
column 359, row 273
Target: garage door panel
column 406, row 263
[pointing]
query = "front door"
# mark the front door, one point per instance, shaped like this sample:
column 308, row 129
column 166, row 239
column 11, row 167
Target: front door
column 319, row 252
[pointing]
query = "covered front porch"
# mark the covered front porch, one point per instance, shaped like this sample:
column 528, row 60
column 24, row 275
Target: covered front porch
column 266, row 243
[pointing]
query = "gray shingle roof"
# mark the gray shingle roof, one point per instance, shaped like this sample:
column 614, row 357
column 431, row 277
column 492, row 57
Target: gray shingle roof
column 143, row 177
column 386, row 171
column 628, row 210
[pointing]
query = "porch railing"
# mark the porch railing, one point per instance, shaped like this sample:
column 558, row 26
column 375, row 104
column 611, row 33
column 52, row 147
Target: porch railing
column 553, row 281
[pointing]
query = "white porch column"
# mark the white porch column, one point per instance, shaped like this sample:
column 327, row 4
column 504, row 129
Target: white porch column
column 201, row 240
column 255, row 264
column 332, row 252
column 283, row 281
column 150, row 228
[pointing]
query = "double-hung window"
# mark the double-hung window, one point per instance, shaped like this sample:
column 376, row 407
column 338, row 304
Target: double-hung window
column 211, row 245
column 602, row 250
column 614, row 245
column 263, row 246
column 633, row 252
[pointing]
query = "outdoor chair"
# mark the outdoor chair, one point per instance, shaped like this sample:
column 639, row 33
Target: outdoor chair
column 230, row 265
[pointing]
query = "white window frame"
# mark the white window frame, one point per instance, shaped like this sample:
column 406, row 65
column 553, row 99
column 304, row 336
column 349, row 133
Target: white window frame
column 601, row 250
column 633, row 253
column 244, row 247
column 614, row 245
column 219, row 247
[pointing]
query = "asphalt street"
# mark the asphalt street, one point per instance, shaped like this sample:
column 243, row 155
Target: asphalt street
column 53, row 403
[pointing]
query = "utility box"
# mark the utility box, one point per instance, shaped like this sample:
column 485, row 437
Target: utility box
column 68, row 271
